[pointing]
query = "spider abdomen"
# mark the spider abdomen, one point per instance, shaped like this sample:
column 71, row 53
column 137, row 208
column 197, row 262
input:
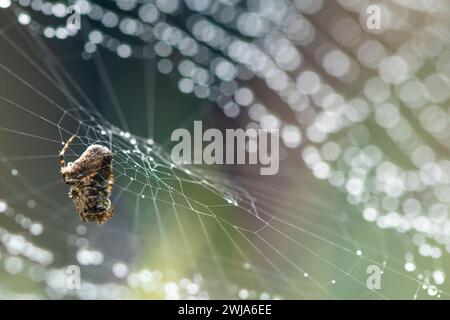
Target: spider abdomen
column 91, row 180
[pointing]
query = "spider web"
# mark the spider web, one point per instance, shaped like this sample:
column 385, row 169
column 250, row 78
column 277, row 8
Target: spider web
column 182, row 232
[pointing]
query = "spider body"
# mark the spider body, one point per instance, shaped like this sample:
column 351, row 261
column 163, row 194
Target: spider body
column 91, row 179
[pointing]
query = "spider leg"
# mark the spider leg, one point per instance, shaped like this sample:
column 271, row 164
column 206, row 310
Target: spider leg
column 110, row 182
column 61, row 158
column 89, row 176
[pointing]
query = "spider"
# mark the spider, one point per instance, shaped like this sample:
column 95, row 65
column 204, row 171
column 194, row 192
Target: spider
column 91, row 179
